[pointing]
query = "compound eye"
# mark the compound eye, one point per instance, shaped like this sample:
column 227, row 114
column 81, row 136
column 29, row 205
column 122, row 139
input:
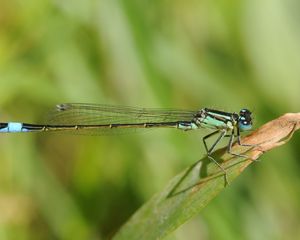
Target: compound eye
column 245, row 120
column 245, row 125
column 245, row 112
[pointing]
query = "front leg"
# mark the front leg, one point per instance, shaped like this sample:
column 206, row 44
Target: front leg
column 239, row 140
column 229, row 148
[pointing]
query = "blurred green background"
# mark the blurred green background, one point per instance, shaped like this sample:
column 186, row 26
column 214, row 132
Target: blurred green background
column 175, row 54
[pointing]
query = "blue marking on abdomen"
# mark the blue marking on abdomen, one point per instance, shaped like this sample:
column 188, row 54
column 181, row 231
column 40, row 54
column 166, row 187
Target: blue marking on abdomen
column 13, row 127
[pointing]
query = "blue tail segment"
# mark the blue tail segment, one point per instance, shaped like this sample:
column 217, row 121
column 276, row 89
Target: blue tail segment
column 12, row 127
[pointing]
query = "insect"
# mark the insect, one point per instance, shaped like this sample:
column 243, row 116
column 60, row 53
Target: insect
column 100, row 119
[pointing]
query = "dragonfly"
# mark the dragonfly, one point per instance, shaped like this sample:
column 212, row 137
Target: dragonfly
column 97, row 119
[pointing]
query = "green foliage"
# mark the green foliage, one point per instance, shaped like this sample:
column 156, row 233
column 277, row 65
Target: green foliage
column 176, row 54
column 184, row 196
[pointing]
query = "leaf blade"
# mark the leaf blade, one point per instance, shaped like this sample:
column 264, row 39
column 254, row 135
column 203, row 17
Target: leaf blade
column 191, row 190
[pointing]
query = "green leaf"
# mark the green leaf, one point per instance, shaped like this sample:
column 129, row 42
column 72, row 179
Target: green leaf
column 191, row 190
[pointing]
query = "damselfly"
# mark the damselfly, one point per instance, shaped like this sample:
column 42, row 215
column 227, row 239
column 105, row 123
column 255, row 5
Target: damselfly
column 105, row 119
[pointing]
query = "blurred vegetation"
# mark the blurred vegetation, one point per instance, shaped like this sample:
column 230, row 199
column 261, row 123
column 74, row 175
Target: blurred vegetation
column 180, row 54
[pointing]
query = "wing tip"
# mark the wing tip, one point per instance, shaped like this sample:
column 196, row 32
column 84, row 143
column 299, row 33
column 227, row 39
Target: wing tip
column 63, row 107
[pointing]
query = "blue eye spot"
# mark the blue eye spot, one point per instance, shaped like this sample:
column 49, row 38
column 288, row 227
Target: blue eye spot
column 245, row 120
column 245, row 126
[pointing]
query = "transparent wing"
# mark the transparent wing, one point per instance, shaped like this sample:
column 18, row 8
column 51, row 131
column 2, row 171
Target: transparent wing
column 95, row 114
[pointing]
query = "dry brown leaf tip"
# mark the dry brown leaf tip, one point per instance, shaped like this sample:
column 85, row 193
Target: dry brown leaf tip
column 273, row 134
